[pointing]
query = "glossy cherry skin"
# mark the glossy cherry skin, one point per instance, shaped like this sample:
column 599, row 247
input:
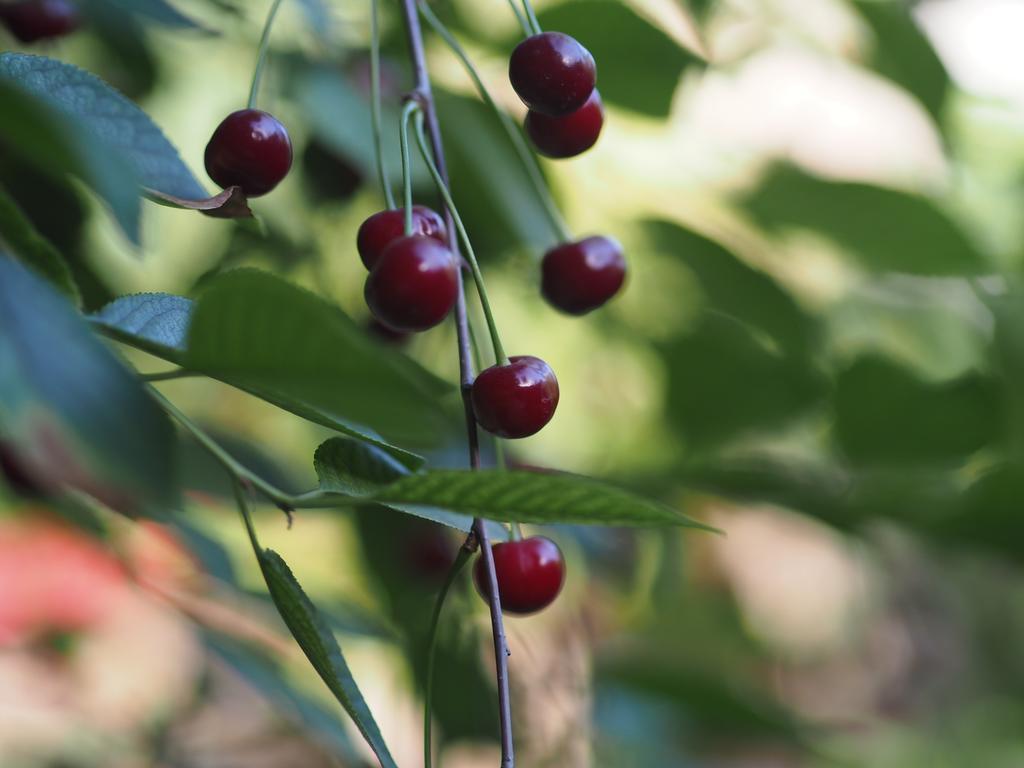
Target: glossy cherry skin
column 250, row 149
column 581, row 276
column 384, row 227
column 552, row 73
column 530, row 574
column 568, row 135
column 517, row 399
column 32, row 20
column 413, row 285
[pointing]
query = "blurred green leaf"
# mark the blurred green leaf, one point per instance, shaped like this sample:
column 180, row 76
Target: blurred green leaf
column 157, row 11
column 904, row 55
column 735, row 288
column 318, row 643
column 989, row 513
column 54, row 145
column 95, row 107
column 22, row 239
column 638, row 65
column 886, row 230
column 886, row 415
column 71, row 410
column 1008, row 353
column 290, row 348
column 496, row 199
column 724, row 382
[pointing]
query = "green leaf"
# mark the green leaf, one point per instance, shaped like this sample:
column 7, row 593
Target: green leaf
column 530, row 497
column 886, row 230
column 321, row 648
column 496, row 199
column 49, row 141
column 724, row 383
column 638, row 65
column 903, row 54
column 886, row 415
column 96, row 107
column 71, row 410
column 735, row 288
column 290, row 348
column 353, row 468
column 22, row 239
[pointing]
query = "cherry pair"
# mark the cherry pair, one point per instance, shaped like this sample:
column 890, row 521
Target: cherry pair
column 414, row 279
column 530, row 573
column 555, row 76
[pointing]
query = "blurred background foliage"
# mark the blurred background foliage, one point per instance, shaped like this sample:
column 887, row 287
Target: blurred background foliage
column 820, row 350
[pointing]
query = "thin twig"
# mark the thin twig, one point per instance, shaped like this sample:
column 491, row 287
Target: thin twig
column 422, row 86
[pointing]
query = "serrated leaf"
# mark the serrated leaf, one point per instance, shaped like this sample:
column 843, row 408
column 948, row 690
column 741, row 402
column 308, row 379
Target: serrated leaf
column 49, row 141
column 884, row 229
column 886, row 415
column 96, row 107
column 530, row 497
column 321, row 648
column 71, row 410
column 638, row 65
column 22, row 239
column 735, row 288
column 290, row 348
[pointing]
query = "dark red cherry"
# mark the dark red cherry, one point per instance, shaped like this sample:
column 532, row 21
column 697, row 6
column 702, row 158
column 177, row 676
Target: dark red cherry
column 530, row 574
column 250, row 149
column 581, row 276
column 413, row 285
column 568, row 135
column 383, row 228
column 552, row 73
column 516, row 399
column 32, row 20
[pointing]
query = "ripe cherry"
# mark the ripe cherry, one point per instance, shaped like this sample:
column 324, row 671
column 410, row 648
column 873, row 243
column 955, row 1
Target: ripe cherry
column 32, row 20
column 383, row 228
column 552, row 73
column 250, row 149
column 530, row 574
column 581, row 276
column 516, row 399
column 413, row 285
column 568, row 135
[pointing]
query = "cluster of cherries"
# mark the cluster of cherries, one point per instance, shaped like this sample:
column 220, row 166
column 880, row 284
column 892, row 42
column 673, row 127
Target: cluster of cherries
column 413, row 279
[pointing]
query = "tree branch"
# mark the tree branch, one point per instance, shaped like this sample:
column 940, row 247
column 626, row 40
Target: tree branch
column 424, row 95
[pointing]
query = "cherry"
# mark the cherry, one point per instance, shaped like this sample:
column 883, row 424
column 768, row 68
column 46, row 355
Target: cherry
column 552, row 73
column 250, row 149
column 413, row 285
column 568, row 135
column 383, row 228
column 581, row 276
column 32, row 20
column 530, row 574
column 516, row 399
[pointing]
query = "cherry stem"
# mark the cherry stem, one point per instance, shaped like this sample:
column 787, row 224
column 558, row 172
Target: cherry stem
column 408, row 110
column 534, row 24
column 501, row 652
column 261, row 55
column 517, row 532
column 520, row 18
column 428, row 689
column 499, row 351
column 375, row 107
column 526, row 156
